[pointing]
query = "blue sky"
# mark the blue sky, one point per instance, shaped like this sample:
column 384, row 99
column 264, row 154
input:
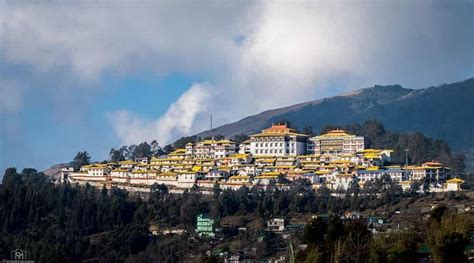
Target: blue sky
column 92, row 76
column 42, row 135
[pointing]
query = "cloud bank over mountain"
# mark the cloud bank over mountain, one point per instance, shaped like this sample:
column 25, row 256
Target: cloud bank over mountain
column 249, row 56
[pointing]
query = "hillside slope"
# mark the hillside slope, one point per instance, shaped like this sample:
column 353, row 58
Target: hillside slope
column 445, row 112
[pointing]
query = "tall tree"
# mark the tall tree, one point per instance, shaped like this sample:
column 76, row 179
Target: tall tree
column 143, row 150
column 155, row 149
column 116, row 155
column 81, row 158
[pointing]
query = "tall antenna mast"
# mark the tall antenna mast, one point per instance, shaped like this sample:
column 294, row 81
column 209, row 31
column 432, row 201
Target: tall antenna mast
column 211, row 120
column 406, row 157
column 212, row 138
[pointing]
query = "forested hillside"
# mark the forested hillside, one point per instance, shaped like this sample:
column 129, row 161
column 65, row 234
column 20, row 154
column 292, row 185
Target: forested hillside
column 70, row 223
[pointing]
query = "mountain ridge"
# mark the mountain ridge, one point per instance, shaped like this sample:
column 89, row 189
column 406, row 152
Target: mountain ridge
column 443, row 112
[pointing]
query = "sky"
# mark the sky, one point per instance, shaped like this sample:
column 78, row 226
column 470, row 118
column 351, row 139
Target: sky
column 93, row 75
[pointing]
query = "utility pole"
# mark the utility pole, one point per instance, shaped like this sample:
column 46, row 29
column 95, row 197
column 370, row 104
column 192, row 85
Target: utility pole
column 406, row 157
column 211, row 120
column 212, row 138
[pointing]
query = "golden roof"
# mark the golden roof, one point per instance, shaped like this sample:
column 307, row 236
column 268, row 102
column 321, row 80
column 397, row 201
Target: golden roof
column 196, row 168
column 432, row 164
column 271, row 173
column 127, row 162
column 178, row 152
column 143, row 172
column 335, row 133
column 167, row 174
column 278, row 130
column 239, row 155
column 266, row 177
column 455, row 181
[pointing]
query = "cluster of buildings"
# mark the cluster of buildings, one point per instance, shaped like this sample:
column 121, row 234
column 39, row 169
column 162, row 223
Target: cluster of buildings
column 277, row 155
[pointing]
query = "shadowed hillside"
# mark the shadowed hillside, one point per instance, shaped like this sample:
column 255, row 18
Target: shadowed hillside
column 444, row 112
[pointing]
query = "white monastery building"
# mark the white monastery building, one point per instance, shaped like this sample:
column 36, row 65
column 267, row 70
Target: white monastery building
column 336, row 142
column 278, row 140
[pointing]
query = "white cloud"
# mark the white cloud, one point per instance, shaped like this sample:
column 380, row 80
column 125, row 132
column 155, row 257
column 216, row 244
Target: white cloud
column 93, row 38
column 183, row 117
column 258, row 55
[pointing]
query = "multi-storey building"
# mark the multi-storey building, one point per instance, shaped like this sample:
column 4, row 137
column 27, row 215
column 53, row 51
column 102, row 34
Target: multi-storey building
column 244, row 147
column 204, row 226
column 432, row 171
column 211, row 149
column 278, row 140
column 336, row 142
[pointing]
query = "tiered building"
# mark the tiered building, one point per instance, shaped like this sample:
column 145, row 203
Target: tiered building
column 276, row 156
column 433, row 171
column 278, row 140
column 211, row 149
column 336, row 142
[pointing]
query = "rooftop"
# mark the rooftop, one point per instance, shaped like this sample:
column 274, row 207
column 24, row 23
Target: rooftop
column 278, row 130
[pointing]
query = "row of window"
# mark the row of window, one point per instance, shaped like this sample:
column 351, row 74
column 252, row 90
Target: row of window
column 271, row 144
column 268, row 139
column 270, row 151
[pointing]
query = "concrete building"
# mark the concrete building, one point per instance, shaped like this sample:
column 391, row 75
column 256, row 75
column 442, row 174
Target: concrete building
column 433, row 171
column 276, row 224
column 336, row 142
column 244, row 147
column 204, row 226
column 454, row 184
column 207, row 149
column 278, row 140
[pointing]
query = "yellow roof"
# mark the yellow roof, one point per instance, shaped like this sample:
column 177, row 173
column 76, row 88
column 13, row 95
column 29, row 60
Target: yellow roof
column 207, row 142
column 322, row 172
column 271, row 173
column 335, row 133
column 94, row 165
column 167, row 174
column 266, row 177
column 144, row 172
column 432, row 164
column 455, row 181
column 196, row 168
column 127, row 162
column 372, row 168
column 239, row 155
column 371, row 150
column 178, row 152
